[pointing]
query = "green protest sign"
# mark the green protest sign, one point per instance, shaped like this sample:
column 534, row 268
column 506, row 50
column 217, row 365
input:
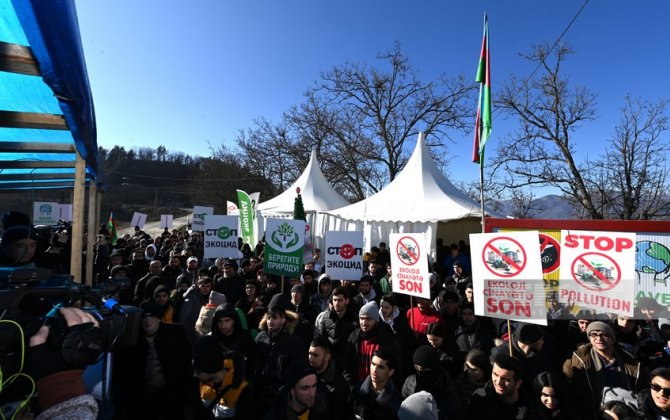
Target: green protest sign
column 284, row 241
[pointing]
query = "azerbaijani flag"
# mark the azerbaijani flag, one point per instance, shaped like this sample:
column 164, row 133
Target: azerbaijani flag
column 111, row 227
column 483, row 122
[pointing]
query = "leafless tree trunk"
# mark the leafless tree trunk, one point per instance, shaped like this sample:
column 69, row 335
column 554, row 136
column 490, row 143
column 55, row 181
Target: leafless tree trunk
column 541, row 152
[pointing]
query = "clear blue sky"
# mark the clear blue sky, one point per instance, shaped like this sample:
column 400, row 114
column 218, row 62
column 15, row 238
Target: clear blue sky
column 187, row 74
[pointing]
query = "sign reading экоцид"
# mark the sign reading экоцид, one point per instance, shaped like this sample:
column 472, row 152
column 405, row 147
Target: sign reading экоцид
column 221, row 237
column 199, row 215
column 284, row 241
column 344, row 255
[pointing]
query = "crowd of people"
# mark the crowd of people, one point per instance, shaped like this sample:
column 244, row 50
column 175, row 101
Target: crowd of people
column 223, row 339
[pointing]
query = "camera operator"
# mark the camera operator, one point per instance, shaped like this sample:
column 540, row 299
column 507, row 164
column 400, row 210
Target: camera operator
column 57, row 371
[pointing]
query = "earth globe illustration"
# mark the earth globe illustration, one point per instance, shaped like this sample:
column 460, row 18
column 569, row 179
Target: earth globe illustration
column 653, row 258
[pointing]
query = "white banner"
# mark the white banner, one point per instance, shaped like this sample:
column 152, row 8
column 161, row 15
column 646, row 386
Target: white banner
column 344, row 255
column 139, row 219
column 232, row 209
column 409, row 264
column 598, row 270
column 166, row 221
column 199, row 215
column 507, row 273
column 45, row 213
column 65, row 212
column 221, row 237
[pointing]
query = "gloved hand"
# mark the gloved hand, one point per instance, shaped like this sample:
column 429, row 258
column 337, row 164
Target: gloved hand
column 81, row 346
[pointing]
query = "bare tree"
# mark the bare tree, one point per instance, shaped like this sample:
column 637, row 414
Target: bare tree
column 268, row 151
column 395, row 105
column 541, row 152
column 357, row 119
column 631, row 179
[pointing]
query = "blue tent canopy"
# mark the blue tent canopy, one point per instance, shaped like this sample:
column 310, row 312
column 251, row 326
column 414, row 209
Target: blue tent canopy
column 46, row 108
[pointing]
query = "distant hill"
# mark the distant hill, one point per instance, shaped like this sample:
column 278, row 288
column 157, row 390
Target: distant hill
column 548, row 207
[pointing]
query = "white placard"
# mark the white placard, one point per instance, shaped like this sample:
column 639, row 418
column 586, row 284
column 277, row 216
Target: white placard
column 199, row 216
column 45, row 213
column 139, row 219
column 221, row 238
column 232, row 209
column 344, row 255
column 409, row 264
column 507, row 273
column 166, row 221
column 65, row 212
column 598, row 270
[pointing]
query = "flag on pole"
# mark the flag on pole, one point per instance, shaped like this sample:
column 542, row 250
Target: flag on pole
column 111, row 227
column 483, row 122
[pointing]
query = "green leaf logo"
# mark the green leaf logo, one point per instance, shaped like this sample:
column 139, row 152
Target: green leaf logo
column 285, row 238
column 223, row 232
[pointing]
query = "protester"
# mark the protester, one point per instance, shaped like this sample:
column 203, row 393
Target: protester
column 377, row 398
column 503, row 397
column 599, row 365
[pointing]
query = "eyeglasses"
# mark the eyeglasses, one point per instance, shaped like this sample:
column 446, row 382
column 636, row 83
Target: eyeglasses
column 657, row 388
column 599, row 335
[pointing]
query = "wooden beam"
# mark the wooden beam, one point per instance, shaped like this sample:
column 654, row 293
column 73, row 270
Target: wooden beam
column 16, row 58
column 13, row 119
column 36, row 147
column 78, row 204
column 92, row 230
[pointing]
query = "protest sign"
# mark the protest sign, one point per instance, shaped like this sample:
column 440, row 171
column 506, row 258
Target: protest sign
column 507, row 273
column 344, row 255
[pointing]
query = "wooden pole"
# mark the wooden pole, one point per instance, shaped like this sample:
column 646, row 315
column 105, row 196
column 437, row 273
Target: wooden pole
column 92, row 232
column 78, row 204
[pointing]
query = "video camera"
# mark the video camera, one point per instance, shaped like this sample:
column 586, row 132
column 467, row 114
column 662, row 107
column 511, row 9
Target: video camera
column 31, row 298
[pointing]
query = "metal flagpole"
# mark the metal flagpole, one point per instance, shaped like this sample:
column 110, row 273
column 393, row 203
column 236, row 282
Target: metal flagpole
column 481, row 188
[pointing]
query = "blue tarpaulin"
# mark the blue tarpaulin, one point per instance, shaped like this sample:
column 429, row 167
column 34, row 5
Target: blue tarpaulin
column 60, row 89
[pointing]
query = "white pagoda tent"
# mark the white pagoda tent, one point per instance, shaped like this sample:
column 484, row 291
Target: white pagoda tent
column 419, row 199
column 317, row 196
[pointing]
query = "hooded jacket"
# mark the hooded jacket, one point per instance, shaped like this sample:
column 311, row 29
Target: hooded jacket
column 275, row 353
column 240, row 340
column 356, row 363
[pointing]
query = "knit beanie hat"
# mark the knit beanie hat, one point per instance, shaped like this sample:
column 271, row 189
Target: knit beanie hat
column 225, row 310
column 600, row 326
column 298, row 288
column 418, row 406
column 426, row 356
column 160, row 288
column 216, row 298
column 529, row 333
column 296, row 371
column 371, row 310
